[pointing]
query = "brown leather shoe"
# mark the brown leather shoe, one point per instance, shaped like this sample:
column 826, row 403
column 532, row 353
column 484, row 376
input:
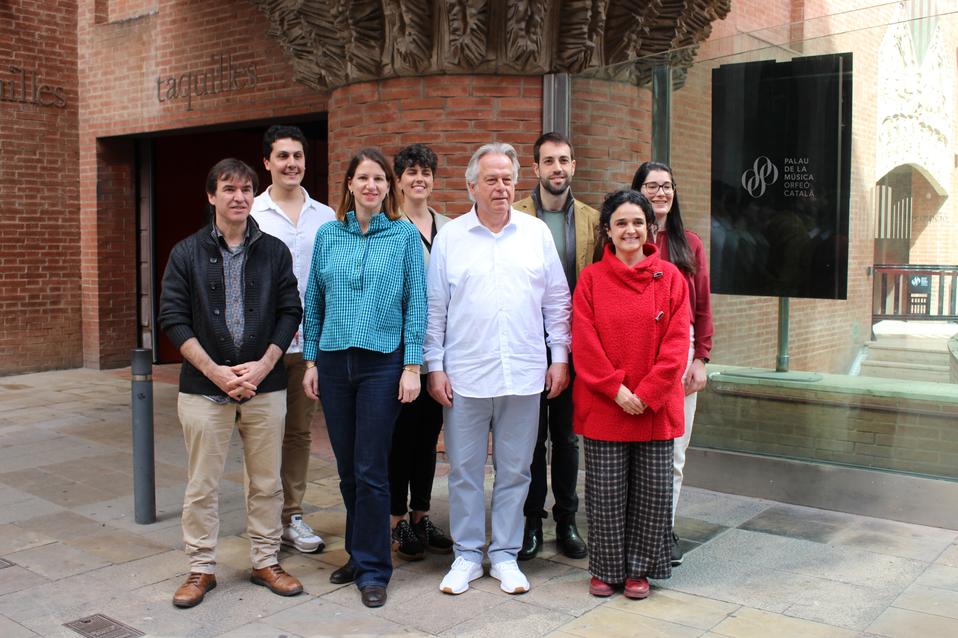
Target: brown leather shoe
column 277, row 580
column 190, row 593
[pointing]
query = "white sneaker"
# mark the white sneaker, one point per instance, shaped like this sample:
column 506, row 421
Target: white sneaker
column 511, row 579
column 300, row 535
column 460, row 575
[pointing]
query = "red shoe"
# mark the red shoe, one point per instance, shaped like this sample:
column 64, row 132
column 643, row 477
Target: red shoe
column 600, row 588
column 637, row 588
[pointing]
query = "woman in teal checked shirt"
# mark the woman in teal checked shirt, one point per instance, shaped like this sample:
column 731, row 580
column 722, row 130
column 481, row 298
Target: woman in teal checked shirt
column 365, row 315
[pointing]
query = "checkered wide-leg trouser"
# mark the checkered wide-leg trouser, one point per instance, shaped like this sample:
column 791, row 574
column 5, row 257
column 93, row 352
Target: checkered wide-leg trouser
column 628, row 499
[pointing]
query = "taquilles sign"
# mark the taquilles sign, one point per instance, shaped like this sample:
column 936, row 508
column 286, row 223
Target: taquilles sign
column 222, row 75
column 27, row 86
column 781, row 170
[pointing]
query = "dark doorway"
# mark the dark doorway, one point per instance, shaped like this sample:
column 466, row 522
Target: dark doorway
column 178, row 164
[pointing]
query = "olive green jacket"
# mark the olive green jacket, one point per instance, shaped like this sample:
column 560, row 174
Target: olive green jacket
column 586, row 228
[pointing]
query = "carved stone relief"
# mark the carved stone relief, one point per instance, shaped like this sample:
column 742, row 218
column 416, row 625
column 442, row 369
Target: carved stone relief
column 336, row 42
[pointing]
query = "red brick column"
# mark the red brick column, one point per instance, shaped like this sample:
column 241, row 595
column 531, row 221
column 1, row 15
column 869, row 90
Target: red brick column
column 453, row 114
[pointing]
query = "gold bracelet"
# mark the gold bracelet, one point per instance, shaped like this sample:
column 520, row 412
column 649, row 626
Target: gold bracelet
column 310, row 365
column 410, row 368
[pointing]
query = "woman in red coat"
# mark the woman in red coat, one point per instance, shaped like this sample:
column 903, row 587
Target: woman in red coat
column 630, row 342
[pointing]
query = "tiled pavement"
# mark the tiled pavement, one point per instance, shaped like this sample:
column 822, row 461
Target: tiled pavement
column 753, row 567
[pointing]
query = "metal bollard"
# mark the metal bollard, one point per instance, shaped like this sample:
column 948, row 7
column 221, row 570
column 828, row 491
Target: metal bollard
column 144, row 468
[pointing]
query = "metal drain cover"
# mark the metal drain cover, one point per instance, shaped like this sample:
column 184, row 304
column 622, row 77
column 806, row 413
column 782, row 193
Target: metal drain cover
column 100, row 626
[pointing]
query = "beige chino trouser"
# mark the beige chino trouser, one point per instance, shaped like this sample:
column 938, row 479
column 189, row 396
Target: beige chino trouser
column 297, row 439
column 207, row 428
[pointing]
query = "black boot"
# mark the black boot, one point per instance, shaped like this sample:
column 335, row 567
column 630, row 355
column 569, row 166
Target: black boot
column 569, row 541
column 531, row 539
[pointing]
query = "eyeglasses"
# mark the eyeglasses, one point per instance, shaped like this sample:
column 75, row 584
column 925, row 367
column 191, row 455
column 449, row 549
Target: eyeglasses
column 652, row 188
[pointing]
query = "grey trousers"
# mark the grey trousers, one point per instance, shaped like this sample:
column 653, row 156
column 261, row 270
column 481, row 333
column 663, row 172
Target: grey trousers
column 514, row 422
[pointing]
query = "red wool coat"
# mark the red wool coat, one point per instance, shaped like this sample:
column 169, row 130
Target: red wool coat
column 630, row 326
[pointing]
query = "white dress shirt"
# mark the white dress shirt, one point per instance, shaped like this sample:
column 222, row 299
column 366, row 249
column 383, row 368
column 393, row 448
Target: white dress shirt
column 490, row 295
column 299, row 238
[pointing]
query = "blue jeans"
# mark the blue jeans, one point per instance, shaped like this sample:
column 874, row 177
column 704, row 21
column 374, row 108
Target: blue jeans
column 358, row 389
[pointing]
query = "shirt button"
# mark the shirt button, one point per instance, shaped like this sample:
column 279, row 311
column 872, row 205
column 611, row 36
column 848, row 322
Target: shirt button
column 216, row 312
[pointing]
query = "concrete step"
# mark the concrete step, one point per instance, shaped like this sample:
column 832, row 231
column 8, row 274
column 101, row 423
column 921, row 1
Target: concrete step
column 905, row 371
column 925, row 354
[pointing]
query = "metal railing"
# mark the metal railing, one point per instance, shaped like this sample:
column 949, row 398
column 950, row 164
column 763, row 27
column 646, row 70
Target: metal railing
column 915, row 292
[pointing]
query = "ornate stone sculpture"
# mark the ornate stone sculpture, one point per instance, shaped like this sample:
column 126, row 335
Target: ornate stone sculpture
column 468, row 31
column 335, row 42
column 408, row 36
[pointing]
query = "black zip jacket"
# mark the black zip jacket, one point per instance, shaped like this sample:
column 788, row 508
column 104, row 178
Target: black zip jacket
column 193, row 304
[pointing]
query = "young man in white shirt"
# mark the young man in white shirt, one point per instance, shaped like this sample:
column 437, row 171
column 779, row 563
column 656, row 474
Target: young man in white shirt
column 495, row 279
column 285, row 210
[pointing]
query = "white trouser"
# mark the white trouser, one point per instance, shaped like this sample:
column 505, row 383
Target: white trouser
column 682, row 443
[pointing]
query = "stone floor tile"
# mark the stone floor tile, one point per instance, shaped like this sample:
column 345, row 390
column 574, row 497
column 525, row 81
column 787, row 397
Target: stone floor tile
column 117, row 546
column 904, row 623
column 16, row 578
column 842, row 604
column 323, row 617
column 845, row 564
column 949, row 556
column 798, row 522
column 604, row 622
column 929, row 600
column 941, row 576
column 896, row 539
column 566, row 591
column 735, row 582
column 10, row 629
column 754, row 623
column 63, row 525
column 722, row 509
column 31, row 506
column 57, row 560
column 514, row 618
column 330, row 522
column 322, row 494
column 14, row 539
column 144, row 571
column 258, row 630
column 674, row 606
column 697, row 530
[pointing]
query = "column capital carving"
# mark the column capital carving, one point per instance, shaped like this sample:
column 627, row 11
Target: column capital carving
column 336, row 42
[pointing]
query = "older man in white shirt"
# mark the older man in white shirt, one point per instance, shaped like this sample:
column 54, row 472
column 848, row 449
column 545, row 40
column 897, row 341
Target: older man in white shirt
column 286, row 211
column 495, row 279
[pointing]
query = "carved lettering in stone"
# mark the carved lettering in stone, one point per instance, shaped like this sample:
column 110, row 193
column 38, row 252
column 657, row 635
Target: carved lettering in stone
column 525, row 31
column 468, row 31
column 581, row 26
column 408, row 34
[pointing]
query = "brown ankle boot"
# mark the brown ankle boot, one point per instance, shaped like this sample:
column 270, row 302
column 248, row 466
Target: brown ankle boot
column 191, row 593
column 277, row 580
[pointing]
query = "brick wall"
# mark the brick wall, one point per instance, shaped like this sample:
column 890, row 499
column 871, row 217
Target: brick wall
column 454, row 115
column 136, row 60
column 612, row 134
column 39, row 225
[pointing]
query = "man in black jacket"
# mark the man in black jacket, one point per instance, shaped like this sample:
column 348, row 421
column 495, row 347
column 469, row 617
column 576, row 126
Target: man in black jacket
column 230, row 304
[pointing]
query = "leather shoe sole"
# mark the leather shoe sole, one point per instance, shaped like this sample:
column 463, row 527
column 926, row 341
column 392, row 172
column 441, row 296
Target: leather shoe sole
column 343, row 575
column 373, row 596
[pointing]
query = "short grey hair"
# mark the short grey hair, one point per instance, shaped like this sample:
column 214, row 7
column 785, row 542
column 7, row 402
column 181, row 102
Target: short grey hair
column 492, row 148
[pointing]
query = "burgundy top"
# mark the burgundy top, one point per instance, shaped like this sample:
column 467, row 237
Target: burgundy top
column 700, row 302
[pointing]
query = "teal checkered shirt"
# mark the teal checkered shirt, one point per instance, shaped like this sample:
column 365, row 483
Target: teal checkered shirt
column 366, row 291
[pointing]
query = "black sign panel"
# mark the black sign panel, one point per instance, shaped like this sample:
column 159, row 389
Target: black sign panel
column 781, row 159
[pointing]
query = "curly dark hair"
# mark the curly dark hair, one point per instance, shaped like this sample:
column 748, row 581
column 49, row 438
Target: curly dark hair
column 612, row 202
column 415, row 155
